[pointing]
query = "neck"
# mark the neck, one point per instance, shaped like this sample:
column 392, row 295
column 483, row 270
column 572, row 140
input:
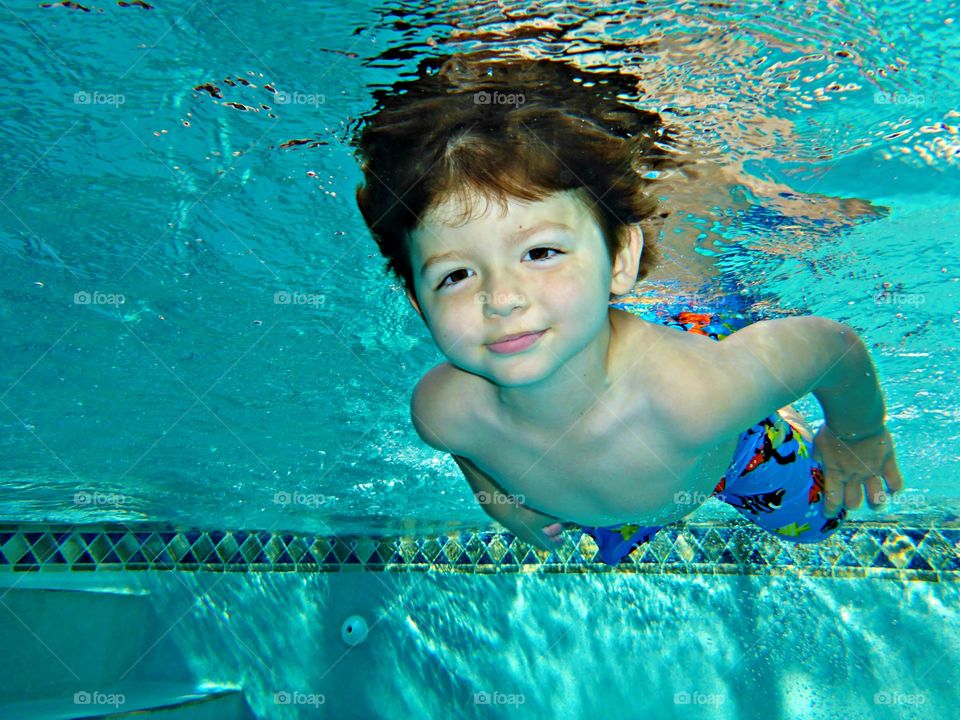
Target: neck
column 558, row 403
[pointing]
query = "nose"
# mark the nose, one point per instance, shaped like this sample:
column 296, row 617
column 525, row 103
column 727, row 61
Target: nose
column 502, row 295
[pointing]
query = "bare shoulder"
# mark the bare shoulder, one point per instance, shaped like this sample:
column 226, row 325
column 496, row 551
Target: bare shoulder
column 443, row 406
column 715, row 389
column 664, row 365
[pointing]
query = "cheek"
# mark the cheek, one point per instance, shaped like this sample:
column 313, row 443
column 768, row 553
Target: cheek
column 578, row 290
column 452, row 326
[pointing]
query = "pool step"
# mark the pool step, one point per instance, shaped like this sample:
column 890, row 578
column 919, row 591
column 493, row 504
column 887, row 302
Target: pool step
column 71, row 652
column 58, row 641
column 170, row 701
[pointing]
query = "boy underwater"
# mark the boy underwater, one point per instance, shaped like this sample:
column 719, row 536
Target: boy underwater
column 557, row 407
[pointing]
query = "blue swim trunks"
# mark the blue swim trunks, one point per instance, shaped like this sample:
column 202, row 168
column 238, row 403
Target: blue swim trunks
column 772, row 481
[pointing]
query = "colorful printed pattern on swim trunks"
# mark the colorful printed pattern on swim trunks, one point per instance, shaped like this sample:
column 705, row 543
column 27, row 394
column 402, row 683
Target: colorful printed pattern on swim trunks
column 772, row 480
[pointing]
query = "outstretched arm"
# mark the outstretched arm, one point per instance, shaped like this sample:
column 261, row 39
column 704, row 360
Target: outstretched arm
column 435, row 416
column 530, row 526
column 854, row 445
column 772, row 363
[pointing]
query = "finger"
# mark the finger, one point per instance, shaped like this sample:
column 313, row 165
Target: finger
column 833, row 496
column 853, row 495
column 875, row 494
column 892, row 473
column 552, row 530
column 553, row 541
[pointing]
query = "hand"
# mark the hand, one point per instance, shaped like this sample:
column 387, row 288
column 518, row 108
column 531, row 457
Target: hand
column 851, row 466
column 530, row 526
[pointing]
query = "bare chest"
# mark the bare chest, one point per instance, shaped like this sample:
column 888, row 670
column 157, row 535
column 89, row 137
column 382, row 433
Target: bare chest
column 621, row 467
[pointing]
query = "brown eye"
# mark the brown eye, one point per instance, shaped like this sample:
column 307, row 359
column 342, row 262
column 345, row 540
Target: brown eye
column 444, row 283
column 546, row 249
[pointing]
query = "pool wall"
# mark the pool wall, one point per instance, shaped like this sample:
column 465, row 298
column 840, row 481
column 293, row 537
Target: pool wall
column 711, row 617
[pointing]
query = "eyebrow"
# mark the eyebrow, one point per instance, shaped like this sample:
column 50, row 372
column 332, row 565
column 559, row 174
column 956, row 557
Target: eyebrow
column 512, row 239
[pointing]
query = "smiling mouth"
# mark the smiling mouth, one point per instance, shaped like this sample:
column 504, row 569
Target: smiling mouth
column 515, row 343
column 505, row 338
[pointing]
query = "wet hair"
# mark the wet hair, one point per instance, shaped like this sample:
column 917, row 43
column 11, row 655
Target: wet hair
column 474, row 126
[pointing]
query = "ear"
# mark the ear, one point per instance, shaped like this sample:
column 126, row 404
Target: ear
column 626, row 264
column 415, row 304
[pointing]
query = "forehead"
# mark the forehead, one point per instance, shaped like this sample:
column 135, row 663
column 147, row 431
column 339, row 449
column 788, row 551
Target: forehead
column 449, row 221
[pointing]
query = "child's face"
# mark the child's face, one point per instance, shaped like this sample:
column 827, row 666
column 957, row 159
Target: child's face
column 492, row 285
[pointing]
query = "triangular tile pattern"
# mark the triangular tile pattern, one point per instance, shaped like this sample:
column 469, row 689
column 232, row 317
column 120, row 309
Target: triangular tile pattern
column 866, row 549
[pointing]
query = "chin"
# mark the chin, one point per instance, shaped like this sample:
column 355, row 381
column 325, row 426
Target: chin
column 517, row 377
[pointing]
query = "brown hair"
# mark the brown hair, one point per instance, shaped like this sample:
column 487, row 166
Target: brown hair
column 562, row 128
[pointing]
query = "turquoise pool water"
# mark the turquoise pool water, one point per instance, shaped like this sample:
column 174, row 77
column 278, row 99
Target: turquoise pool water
column 205, row 399
column 195, row 331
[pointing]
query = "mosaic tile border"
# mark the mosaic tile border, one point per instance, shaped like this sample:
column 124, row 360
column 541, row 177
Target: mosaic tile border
column 878, row 550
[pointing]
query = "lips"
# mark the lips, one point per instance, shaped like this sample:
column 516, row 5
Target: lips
column 514, row 336
column 515, row 342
